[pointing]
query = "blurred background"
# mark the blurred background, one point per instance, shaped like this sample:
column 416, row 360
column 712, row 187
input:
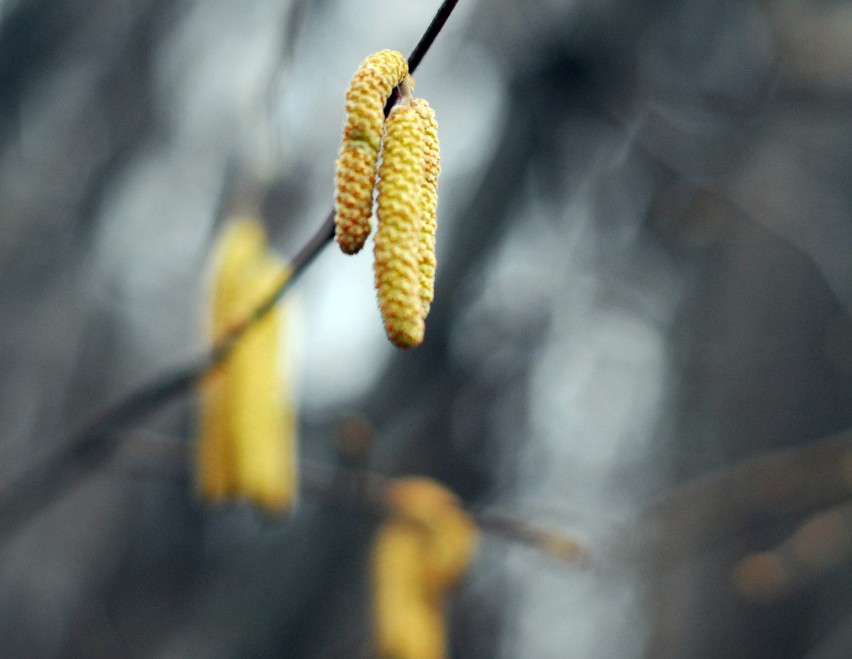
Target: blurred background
column 641, row 337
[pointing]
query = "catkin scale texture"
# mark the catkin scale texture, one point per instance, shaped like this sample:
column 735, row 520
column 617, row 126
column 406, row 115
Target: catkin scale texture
column 355, row 169
column 426, row 261
column 401, row 175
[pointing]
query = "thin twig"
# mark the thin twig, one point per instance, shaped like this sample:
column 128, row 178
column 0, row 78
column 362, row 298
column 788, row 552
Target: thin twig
column 556, row 545
column 773, row 488
column 429, row 35
column 40, row 484
column 352, row 490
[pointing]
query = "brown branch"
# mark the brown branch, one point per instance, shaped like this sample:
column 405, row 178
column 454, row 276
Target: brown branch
column 783, row 486
column 145, row 455
column 430, row 34
column 555, row 545
column 818, row 546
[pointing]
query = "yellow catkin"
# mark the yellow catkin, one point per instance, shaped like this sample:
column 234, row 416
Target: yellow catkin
column 428, row 219
column 355, row 170
column 408, row 624
column 401, row 174
column 241, row 243
column 247, row 446
column 452, row 533
column 261, row 426
column 419, row 554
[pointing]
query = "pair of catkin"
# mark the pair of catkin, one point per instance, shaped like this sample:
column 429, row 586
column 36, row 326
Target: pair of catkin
column 407, row 175
column 420, row 553
column 247, row 436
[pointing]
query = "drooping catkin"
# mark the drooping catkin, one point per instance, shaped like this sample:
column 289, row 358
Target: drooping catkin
column 261, row 418
column 450, row 532
column 400, row 183
column 246, row 445
column 420, row 552
column 355, row 170
column 407, row 623
column 241, row 243
column 428, row 218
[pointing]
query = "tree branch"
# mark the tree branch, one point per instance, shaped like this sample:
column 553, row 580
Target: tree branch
column 40, row 484
column 782, row 486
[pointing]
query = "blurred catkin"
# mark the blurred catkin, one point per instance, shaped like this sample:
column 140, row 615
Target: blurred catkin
column 246, row 446
column 420, row 552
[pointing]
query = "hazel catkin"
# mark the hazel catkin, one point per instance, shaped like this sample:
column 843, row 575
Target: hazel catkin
column 247, row 442
column 420, row 553
column 400, row 183
column 238, row 247
column 407, row 622
column 355, row 169
column 261, row 419
column 426, row 262
column 451, row 534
